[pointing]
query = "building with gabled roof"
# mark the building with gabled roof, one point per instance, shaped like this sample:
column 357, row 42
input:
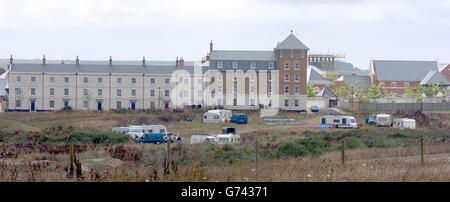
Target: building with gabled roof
column 434, row 78
column 397, row 75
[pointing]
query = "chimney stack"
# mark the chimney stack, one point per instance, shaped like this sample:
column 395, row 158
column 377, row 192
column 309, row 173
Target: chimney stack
column 211, row 47
column 110, row 60
column 143, row 61
column 11, row 60
column 44, row 60
column 77, row 61
column 177, row 62
column 208, row 56
column 62, row 61
column 181, row 62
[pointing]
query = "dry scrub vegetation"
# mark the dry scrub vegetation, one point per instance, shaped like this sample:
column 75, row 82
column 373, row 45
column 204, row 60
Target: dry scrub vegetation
column 38, row 147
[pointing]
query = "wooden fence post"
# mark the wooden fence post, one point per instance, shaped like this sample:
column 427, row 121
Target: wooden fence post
column 422, row 159
column 343, row 151
column 257, row 156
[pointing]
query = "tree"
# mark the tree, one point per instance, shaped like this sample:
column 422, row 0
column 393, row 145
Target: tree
column 357, row 90
column 342, row 92
column 376, row 92
column 409, row 92
column 310, row 91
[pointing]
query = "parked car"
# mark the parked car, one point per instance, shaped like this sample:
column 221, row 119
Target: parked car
column 153, row 138
column 239, row 119
column 314, row 108
column 371, row 120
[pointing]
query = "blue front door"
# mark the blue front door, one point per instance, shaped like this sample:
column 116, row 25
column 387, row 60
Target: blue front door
column 33, row 105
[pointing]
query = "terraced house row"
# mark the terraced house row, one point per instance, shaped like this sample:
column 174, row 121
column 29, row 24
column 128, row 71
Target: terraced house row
column 105, row 85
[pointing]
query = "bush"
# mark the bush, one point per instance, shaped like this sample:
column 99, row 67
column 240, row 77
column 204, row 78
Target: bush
column 98, row 138
column 310, row 145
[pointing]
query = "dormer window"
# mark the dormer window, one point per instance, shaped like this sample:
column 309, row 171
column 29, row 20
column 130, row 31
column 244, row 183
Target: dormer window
column 252, row 65
column 219, row 64
column 235, row 65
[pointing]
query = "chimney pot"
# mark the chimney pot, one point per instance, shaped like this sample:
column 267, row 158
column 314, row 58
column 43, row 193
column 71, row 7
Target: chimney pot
column 143, row 61
column 11, row 59
column 44, row 60
column 110, row 60
column 77, row 61
column 211, row 46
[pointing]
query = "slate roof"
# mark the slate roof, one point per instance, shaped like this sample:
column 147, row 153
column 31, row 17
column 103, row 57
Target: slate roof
column 237, row 55
column 434, row 77
column 82, row 68
column 3, row 86
column 314, row 76
column 291, row 43
column 326, row 92
column 389, row 70
column 363, row 81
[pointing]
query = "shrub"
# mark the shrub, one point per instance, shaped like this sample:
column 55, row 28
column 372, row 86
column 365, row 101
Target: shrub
column 310, row 145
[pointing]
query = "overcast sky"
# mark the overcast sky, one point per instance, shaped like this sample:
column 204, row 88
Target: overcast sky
column 165, row 29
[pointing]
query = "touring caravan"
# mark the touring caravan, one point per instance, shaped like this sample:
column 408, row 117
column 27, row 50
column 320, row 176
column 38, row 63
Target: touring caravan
column 338, row 121
column 139, row 131
column 228, row 139
column 217, row 116
column 202, row 138
column 384, row 120
column 404, row 124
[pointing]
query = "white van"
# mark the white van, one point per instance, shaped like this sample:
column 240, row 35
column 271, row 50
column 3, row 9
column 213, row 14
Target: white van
column 384, row 120
column 404, row 123
column 339, row 121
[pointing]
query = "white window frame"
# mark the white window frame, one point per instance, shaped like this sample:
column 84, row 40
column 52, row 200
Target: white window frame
column 99, row 80
column 86, row 80
column 133, row 92
column 52, row 79
column 33, row 79
column 99, row 92
column 271, row 65
column 287, row 77
column 297, row 65
column 51, row 104
column 287, row 65
column 152, row 93
column 33, row 91
column 66, row 79
column 85, row 92
column 133, row 80
column 406, row 84
column 288, row 90
column 66, row 90
column 119, row 92
column 152, row 80
column 18, row 79
column 52, row 92
column 297, row 90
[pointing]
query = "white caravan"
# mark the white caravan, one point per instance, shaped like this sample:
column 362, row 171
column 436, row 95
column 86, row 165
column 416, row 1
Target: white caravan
column 139, row 131
column 217, row 116
column 228, row 139
column 404, row 124
column 339, row 121
column 202, row 138
column 384, row 120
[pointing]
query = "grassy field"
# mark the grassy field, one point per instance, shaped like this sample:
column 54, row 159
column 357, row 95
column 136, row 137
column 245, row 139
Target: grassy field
column 36, row 147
